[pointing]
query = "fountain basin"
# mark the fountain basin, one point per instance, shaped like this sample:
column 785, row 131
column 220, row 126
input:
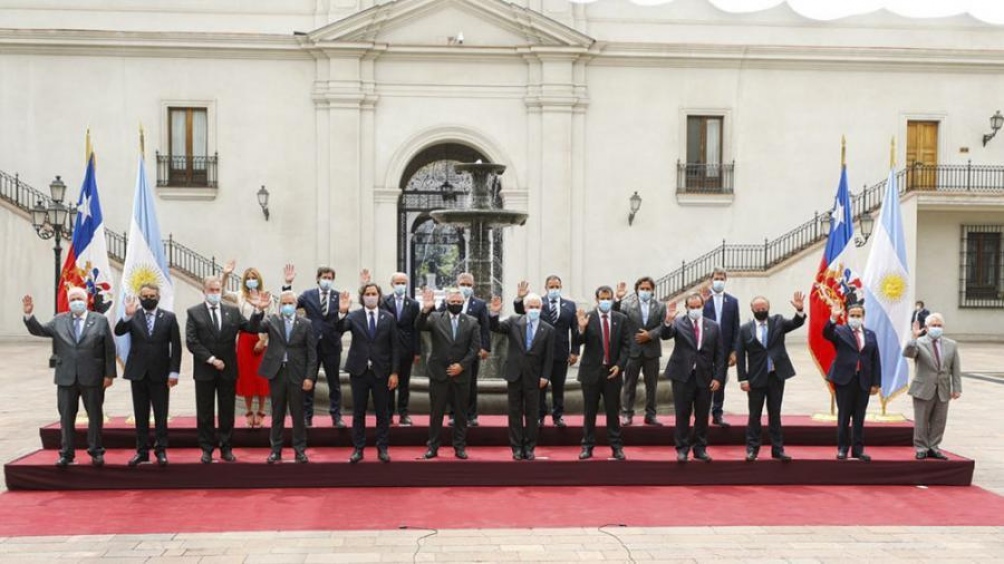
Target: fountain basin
column 468, row 217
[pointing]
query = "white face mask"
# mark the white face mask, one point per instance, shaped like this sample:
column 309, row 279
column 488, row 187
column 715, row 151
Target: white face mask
column 370, row 301
column 718, row 286
column 855, row 322
column 695, row 314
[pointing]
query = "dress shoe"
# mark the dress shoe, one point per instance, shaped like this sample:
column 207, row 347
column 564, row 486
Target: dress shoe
column 207, row 457
column 559, row 422
column 138, row 459
column 405, row 421
column 161, row 458
column 383, row 455
column 460, row 453
column 228, row 456
column 751, row 455
column 721, row 422
column 937, row 454
column 702, row 455
column 618, row 453
column 98, row 460
column 529, row 455
column 681, row 456
column 357, row 455
column 841, row 454
column 308, row 421
column 336, row 422
column 63, row 462
column 921, row 455
column 301, row 457
column 274, row 457
column 472, row 422
column 625, row 421
column 780, row 455
column 540, row 422
column 431, row 453
column 517, row 455
column 653, row 422
column 862, row 457
column 587, row 452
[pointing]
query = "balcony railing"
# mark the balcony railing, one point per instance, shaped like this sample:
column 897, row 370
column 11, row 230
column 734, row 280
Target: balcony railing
column 187, row 171
column 700, row 178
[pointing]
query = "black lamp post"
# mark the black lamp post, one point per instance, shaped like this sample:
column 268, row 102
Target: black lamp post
column 867, row 224
column 996, row 121
column 635, row 206
column 263, row 201
column 54, row 220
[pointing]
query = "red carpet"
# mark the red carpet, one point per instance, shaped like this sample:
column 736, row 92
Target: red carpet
column 153, row 511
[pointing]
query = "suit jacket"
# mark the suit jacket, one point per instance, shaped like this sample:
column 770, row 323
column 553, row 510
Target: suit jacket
column 591, row 365
column 930, row 378
column 919, row 316
column 656, row 316
column 154, row 356
column 706, row 362
column 88, row 362
column 566, row 329
column 535, row 363
column 407, row 336
column 205, row 341
column 478, row 309
column 299, row 350
column 848, row 356
column 324, row 325
column 445, row 349
column 751, row 355
column 730, row 320
column 380, row 352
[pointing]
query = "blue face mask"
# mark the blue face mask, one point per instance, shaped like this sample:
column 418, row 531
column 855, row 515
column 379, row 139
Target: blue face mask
column 288, row 309
column 467, row 291
column 533, row 315
column 935, row 332
column 324, row 284
column 553, row 293
column 78, row 306
column 695, row 314
column 213, row 299
column 718, row 286
column 605, row 305
column 251, row 283
column 644, row 295
column 400, row 289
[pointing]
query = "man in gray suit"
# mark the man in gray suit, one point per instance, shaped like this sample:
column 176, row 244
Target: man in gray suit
column 936, row 382
column 645, row 313
column 290, row 366
column 527, row 370
column 85, row 366
column 456, row 342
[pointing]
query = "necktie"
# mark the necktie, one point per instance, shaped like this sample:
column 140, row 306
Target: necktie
column 78, row 325
column 555, row 311
column 454, row 322
column 400, row 306
column 324, row 303
column 861, row 345
column 697, row 334
column 149, row 322
column 763, row 341
column 606, row 340
column 216, row 318
column 937, row 354
column 372, row 324
column 289, row 328
column 529, row 335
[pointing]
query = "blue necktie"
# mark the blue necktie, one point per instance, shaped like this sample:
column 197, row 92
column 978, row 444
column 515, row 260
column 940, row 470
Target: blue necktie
column 149, row 322
column 78, row 325
column 372, row 325
column 763, row 341
column 529, row 335
column 454, row 327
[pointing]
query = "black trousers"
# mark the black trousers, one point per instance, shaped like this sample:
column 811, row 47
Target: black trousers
column 68, row 402
column 852, row 403
column 363, row 386
column 524, row 399
column 398, row 399
column 773, row 394
column 442, row 392
column 146, row 394
column 610, row 390
column 331, row 360
column 223, row 393
column 718, row 398
column 691, row 399
column 470, row 398
column 286, row 393
column 649, row 368
column 559, row 374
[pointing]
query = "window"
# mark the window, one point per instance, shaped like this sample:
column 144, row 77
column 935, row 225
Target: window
column 981, row 266
column 703, row 170
column 187, row 163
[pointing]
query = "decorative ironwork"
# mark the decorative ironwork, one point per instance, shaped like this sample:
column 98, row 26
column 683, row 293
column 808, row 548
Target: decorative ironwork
column 185, row 171
column 981, row 267
column 700, row 178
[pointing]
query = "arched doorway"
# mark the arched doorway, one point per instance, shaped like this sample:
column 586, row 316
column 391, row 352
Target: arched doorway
column 431, row 254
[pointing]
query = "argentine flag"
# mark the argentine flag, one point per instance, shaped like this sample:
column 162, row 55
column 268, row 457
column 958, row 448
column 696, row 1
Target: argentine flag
column 144, row 261
column 888, row 293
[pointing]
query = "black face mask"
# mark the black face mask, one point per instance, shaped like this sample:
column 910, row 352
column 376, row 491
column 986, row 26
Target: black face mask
column 455, row 309
column 149, row 304
column 761, row 315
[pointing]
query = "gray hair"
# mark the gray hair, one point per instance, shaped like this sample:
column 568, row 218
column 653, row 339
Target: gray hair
column 285, row 293
column 209, row 280
column 934, row 317
column 532, row 297
column 76, row 290
column 150, row 286
column 719, row 270
column 453, row 290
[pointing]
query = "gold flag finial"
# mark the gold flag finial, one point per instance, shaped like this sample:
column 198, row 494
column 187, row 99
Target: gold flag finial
column 88, row 149
column 142, row 142
column 892, row 152
column 843, row 150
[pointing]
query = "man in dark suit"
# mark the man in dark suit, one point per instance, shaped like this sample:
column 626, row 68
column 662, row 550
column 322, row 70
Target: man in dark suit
column 405, row 310
column 290, row 366
column 918, row 319
column 763, row 365
column 529, row 362
column 697, row 369
column 724, row 309
column 558, row 312
column 211, row 335
column 85, row 367
column 856, row 374
column 372, row 366
column 152, row 367
column 456, row 341
column 607, row 339
column 478, row 309
column 321, row 307
column 645, row 314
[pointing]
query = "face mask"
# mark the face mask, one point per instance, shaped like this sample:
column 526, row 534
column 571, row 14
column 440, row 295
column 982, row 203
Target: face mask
column 533, row 314
column 553, row 293
column 370, row 301
column 854, row 322
column 324, row 284
column 695, row 314
column 718, row 286
column 605, row 305
column 213, row 299
column 288, row 309
column 455, row 309
column 935, row 332
column 251, row 283
column 760, row 315
column 78, row 306
column 644, row 295
column 149, row 304
column 400, row 289
column 467, row 291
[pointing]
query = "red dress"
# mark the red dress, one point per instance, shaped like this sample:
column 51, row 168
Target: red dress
column 249, row 383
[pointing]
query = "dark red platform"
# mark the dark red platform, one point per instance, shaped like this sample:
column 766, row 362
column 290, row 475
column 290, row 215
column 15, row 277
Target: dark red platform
column 489, row 466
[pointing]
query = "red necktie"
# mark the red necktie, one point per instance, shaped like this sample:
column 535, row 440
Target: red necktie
column 697, row 334
column 861, row 344
column 606, row 340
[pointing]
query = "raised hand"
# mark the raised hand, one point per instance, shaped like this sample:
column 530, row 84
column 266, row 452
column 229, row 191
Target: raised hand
column 28, row 304
column 835, row 310
column 289, row 273
column 344, row 299
column 670, row 312
column 264, row 300
column 583, row 319
column 522, row 289
column 496, row 305
column 228, row 268
column 621, row 291
column 428, row 299
column 915, row 329
column 798, row 300
column 131, row 305
column 364, row 277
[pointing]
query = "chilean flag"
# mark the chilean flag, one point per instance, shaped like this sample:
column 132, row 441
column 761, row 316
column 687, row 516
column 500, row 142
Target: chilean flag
column 86, row 262
column 835, row 282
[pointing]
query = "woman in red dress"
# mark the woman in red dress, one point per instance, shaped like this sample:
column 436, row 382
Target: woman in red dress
column 251, row 349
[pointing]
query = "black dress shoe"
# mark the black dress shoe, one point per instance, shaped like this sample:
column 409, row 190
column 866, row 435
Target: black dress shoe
column 274, row 457
column 383, row 455
column 751, row 455
column 559, row 422
column 138, row 459
column 63, row 462
column 618, row 453
column 921, row 455
column 301, row 457
column 207, row 457
column 653, row 422
column 336, row 422
column 517, row 455
column 460, row 453
column 228, row 456
column 98, row 460
column 587, row 452
column 529, row 455
column 681, row 456
column 937, row 454
column 405, row 421
column 472, row 422
column 540, row 422
column 431, row 453
column 780, row 456
column 308, row 421
column 841, row 454
column 357, row 455
column 721, row 422
column 862, row 457
column 161, row 458
column 702, row 455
